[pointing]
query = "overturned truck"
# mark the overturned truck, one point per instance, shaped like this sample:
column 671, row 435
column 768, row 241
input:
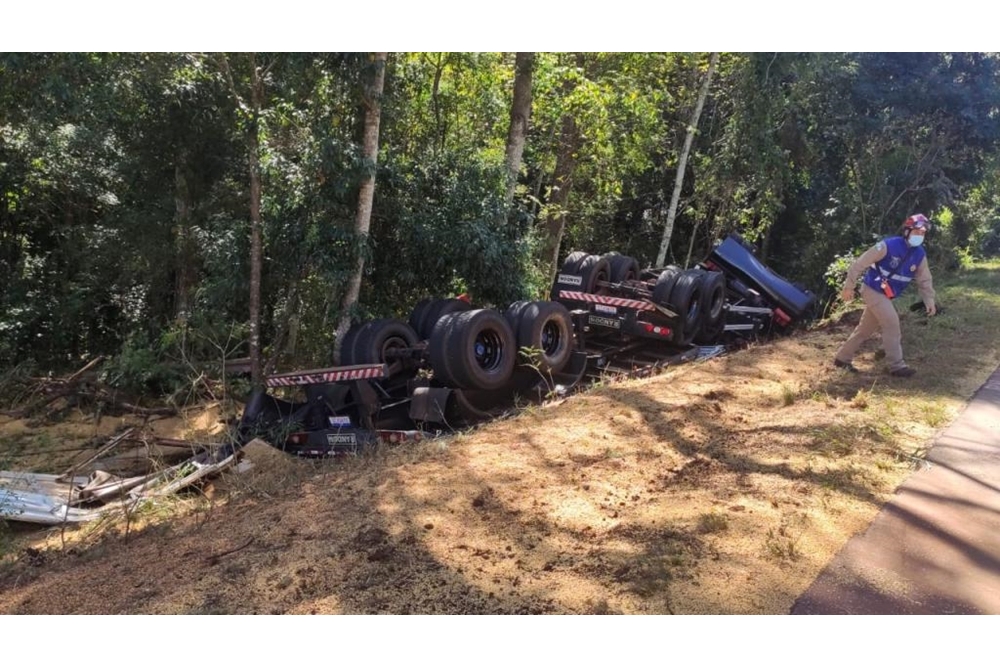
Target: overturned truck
column 451, row 364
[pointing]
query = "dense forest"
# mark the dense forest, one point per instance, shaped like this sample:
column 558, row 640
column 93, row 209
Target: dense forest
column 157, row 207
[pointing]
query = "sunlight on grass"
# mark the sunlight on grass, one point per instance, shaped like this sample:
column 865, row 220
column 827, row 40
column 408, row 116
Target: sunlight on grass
column 955, row 349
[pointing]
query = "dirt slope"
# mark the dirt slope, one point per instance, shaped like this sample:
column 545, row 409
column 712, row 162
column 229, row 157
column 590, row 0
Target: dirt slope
column 720, row 487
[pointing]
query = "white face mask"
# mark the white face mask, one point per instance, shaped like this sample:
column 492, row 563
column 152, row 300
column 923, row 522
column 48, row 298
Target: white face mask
column 915, row 239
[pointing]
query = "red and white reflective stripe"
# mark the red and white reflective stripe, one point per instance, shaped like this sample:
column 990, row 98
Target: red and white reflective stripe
column 328, row 375
column 606, row 300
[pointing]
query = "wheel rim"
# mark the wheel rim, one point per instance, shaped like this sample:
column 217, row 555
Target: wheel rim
column 392, row 344
column 551, row 337
column 394, row 364
column 602, row 277
column 488, row 349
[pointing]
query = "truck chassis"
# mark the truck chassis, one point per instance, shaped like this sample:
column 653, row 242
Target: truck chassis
column 452, row 365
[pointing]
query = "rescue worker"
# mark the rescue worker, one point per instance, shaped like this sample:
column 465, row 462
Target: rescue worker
column 889, row 266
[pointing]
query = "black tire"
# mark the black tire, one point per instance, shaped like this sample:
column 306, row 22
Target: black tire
column 346, row 357
column 711, row 333
column 570, row 268
column 418, row 315
column 572, row 261
column 593, row 269
column 623, row 267
column 546, row 326
column 481, row 350
column 438, row 349
column 685, row 300
column 513, row 313
column 380, row 336
column 665, row 284
column 713, row 296
column 438, row 309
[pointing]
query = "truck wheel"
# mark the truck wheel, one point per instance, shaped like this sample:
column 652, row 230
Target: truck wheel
column 547, row 329
column 685, row 300
column 573, row 260
column 418, row 315
column 346, row 357
column 438, row 309
column 482, row 350
column 623, row 267
column 711, row 333
column 713, row 295
column 566, row 277
column 513, row 313
column 593, row 269
column 438, row 349
column 665, row 284
column 378, row 338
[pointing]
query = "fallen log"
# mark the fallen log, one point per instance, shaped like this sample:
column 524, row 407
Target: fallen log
column 104, row 397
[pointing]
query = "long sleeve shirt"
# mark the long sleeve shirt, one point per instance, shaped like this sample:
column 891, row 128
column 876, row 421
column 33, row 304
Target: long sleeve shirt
column 922, row 277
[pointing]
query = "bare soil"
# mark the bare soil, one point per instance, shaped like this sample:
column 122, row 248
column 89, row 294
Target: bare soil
column 717, row 487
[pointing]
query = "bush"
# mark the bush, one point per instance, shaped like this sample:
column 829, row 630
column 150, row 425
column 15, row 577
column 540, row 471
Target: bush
column 141, row 368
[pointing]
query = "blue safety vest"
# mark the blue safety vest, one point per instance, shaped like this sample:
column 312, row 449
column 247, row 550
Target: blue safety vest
column 897, row 267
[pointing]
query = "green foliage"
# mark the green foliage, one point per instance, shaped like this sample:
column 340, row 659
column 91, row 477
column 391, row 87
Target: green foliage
column 448, row 235
column 124, row 183
column 140, row 369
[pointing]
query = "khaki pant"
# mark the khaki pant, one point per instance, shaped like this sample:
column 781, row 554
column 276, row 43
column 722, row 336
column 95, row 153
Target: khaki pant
column 879, row 314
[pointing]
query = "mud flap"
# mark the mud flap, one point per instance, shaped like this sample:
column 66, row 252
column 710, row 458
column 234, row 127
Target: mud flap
column 572, row 374
column 429, row 404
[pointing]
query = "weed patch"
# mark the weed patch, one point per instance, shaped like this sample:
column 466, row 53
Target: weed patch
column 712, row 522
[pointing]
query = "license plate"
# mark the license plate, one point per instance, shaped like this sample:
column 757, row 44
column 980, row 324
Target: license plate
column 335, row 439
column 609, row 322
column 564, row 279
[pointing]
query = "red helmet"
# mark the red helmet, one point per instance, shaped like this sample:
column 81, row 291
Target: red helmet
column 917, row 221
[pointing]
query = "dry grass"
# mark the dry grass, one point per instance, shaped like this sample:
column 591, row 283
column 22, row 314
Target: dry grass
column 721, row 487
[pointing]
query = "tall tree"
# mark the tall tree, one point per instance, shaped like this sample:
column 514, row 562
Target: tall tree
column 372, row 102
column 251, row 113
column 520, row 113
column 562, row 178
column 682, row 163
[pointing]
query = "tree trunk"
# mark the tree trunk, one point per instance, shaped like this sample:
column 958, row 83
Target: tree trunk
column 436, row 103
column 287, row 328
column 682, row 164
column 183, row 242
column 256, row 225
column 562, row 182
column 362, row 221
column 520, row 112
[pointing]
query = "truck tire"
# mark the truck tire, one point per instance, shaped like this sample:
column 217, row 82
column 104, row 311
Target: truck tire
column 513, row 314
column 623, row 267
column 665, row 284
column 377, row 338
column 711, row 333
column 346, row 356
column 438, row 309
column 573, row 260
column 438, row 350
column 713, row 295
column 547, row 328
column 685, row 300
column 418, row 315
column 570, row 269
column 481, row 350
column 593, row 269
